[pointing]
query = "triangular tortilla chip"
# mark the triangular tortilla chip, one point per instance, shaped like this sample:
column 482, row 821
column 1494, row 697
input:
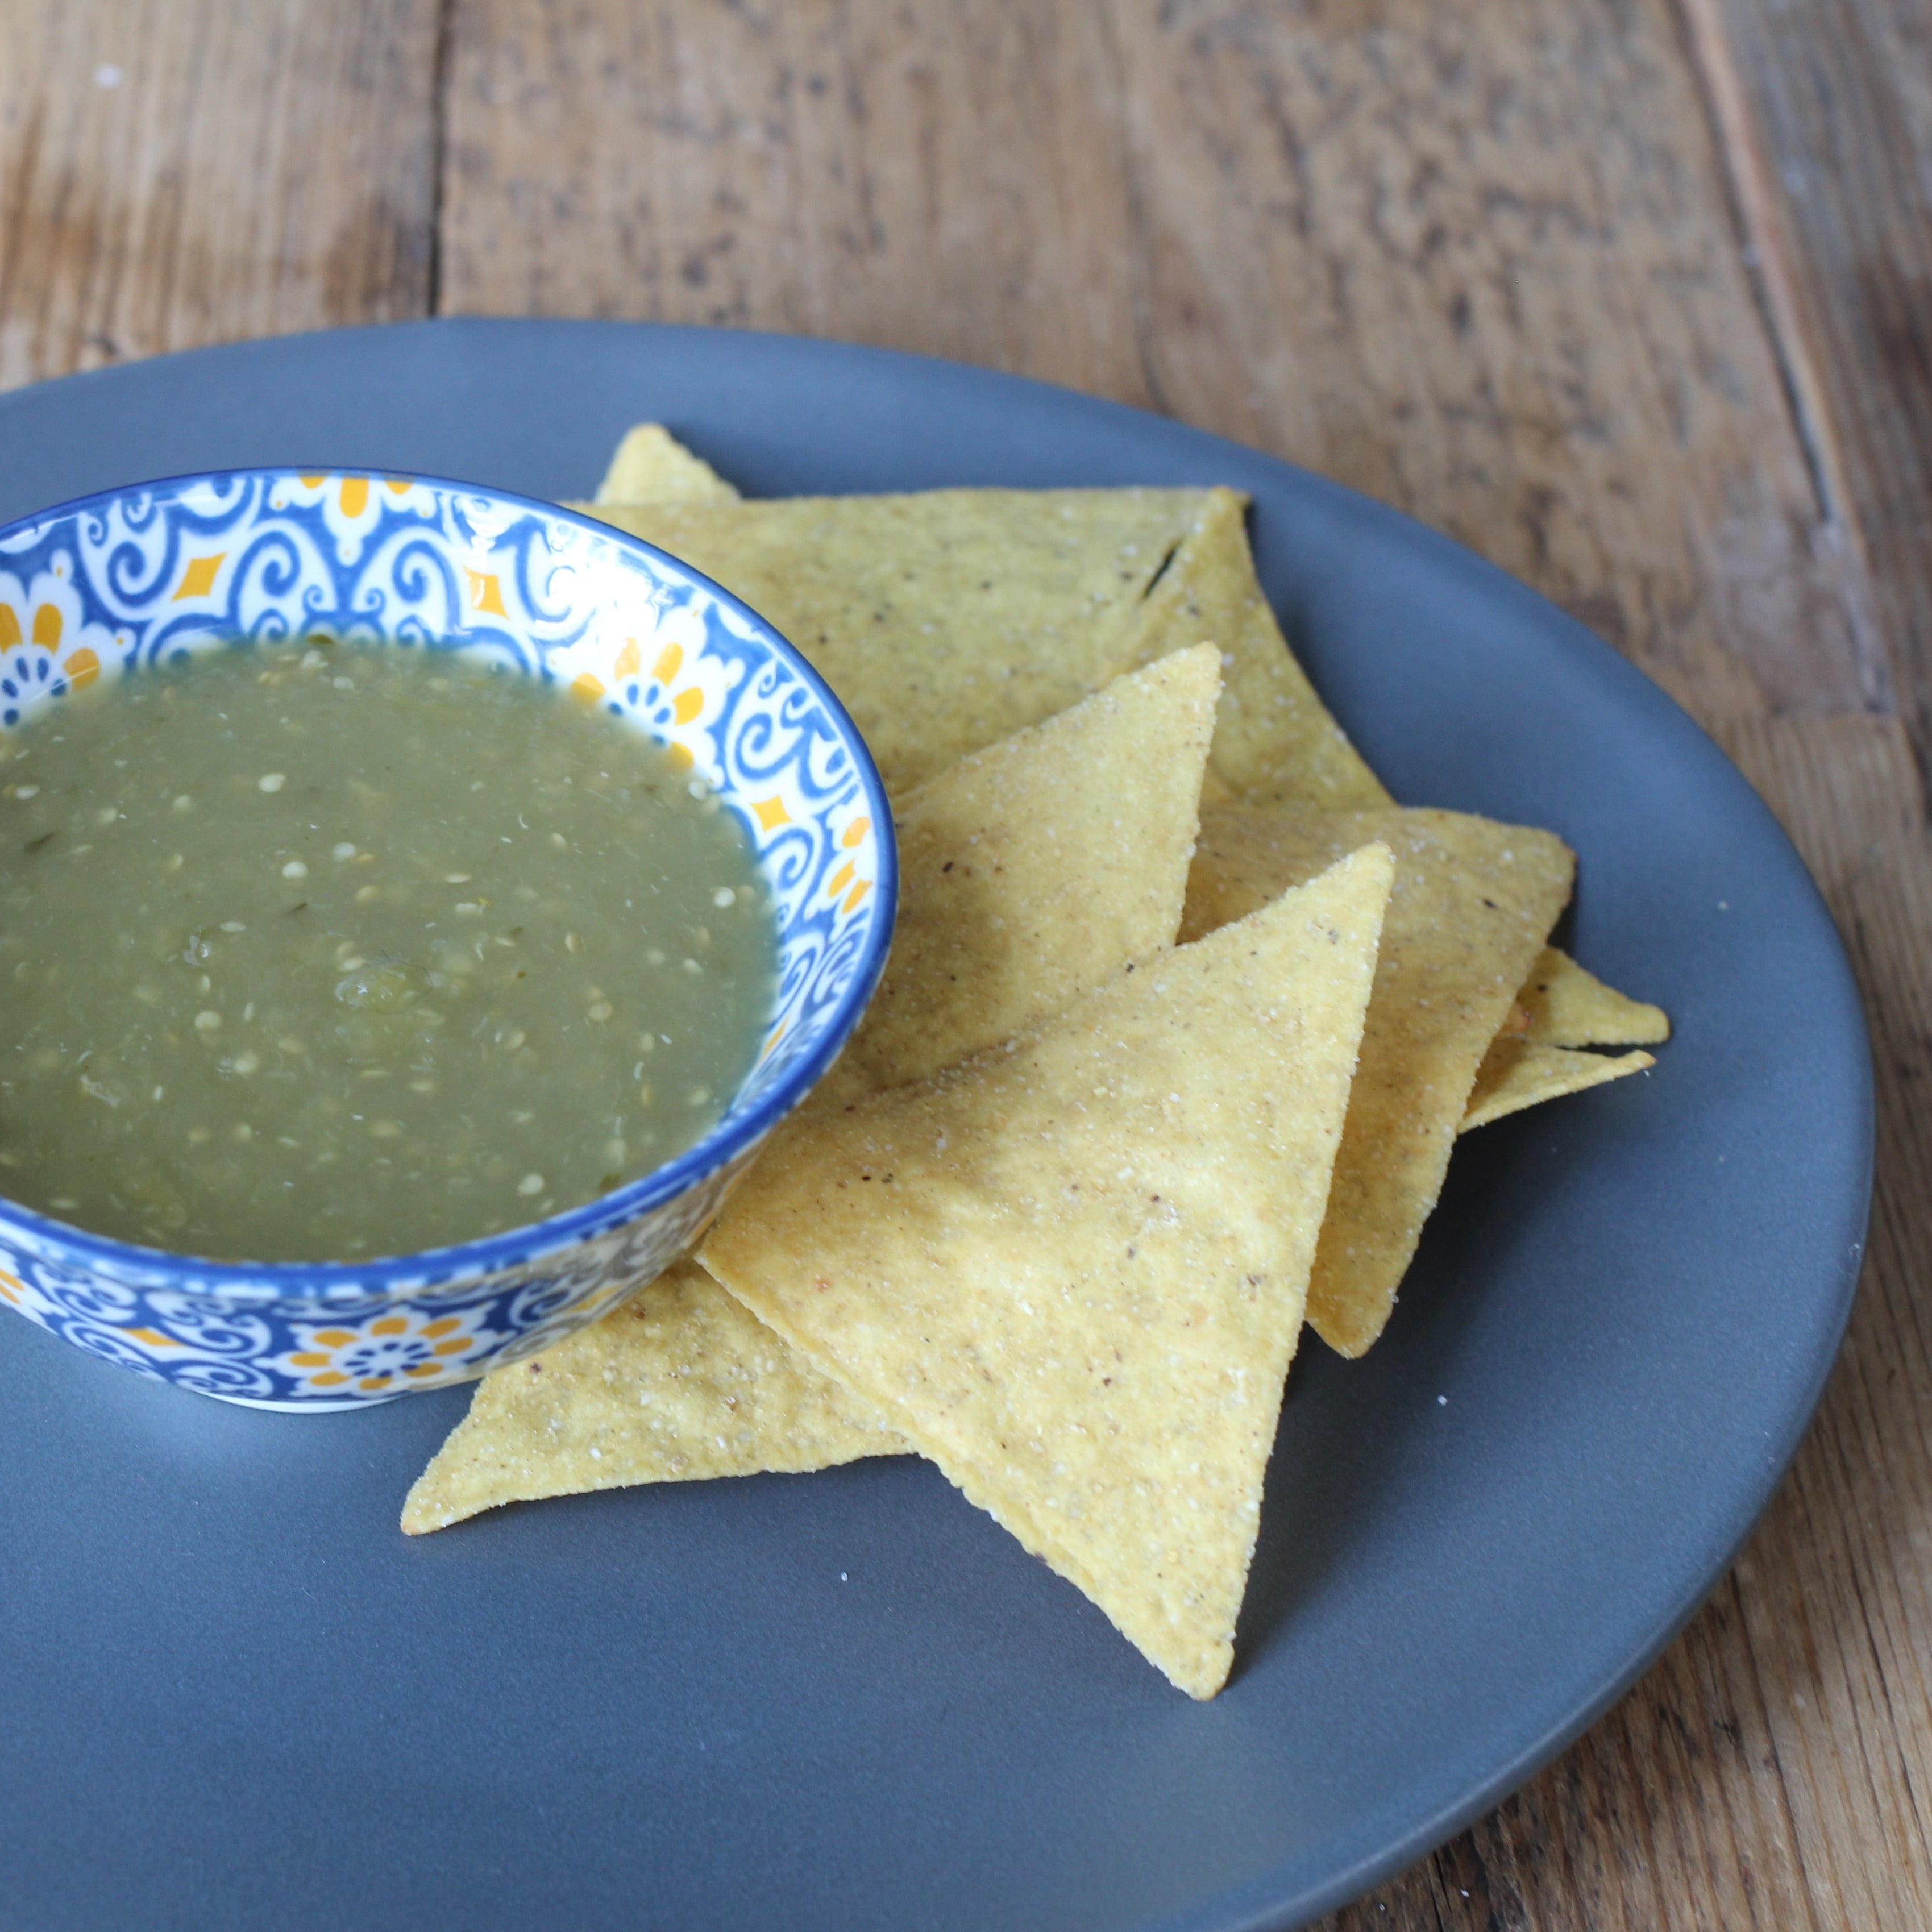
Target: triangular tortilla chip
column 1274, row 740
column 1072, row 1271
column 678, row 1382
column 1033, row 871
column 1474, row 902
column 946, row 619
column 1563, row 1004
column 1031, row 874
column 1519, row 1073
column 651, row 466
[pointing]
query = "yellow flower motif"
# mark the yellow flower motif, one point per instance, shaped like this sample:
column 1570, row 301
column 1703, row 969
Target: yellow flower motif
column 352, row 506
column 656, row 698
column 46, row 646
column 389, row 1352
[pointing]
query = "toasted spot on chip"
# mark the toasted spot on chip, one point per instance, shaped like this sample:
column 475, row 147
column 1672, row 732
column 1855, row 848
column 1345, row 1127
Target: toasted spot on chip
column 1078, row 1278
column 1274, row 740
column 675, row 1383
column 1565, row 1005
column 1519, row 1073
column 1473, row 904
column 650, row 466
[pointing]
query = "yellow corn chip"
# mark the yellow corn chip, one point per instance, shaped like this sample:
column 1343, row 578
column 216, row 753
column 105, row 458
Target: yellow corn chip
column 947, row 619
column 1029, row 874
column 1519, row 1073
column 1072, row 1271
column 1564, row 1005
column 651, row 466
column 1274, row 740
column 1473, row 903
column 1033, row 871
column 678, row 1382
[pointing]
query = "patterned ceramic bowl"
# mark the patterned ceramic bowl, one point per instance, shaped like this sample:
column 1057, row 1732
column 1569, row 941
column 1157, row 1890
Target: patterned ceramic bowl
column 94, row 589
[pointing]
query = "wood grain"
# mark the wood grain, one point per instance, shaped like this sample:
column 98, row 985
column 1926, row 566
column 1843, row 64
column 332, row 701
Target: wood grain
column 1476, row 266
column 1847, row 1657
column 1831, row 154
column 1629, row 295
column 932, row 176
column 178, row 172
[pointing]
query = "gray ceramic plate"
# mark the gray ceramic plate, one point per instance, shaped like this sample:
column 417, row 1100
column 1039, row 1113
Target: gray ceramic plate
column 234, row 1694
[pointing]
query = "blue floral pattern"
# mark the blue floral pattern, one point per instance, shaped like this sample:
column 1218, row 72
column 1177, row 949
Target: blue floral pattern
column 96, row 589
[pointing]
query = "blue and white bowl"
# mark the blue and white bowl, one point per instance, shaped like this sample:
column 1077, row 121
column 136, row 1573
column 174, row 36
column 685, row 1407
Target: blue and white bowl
column 95, row 589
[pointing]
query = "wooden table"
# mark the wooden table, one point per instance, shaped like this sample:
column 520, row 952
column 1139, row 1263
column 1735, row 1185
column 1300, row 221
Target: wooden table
column 1634, row 296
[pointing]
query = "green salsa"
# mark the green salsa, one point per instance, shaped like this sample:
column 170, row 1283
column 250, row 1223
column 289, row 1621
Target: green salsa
column 314, row 953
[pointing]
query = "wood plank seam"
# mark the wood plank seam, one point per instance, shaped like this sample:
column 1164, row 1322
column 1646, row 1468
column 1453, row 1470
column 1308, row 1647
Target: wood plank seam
column 439, row 148
column 1769, row 264
column 1840, row 99
column 1767, row 248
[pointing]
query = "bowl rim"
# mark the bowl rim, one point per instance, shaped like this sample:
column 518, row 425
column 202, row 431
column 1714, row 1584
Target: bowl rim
column 436, row 1270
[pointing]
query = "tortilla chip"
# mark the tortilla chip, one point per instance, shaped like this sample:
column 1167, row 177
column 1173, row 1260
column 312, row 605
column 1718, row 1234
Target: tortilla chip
column 1564, row 1005
column 1274, row 740
column 651, row 466
column 1072, row 1271
column 1032, row 872
column 948, row 619
column 1474, row 902
column 1519, row 1073
column 1029, row 875
column 678, row 1382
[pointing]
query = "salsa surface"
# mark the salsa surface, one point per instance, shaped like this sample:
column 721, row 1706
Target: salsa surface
column 321, row 953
